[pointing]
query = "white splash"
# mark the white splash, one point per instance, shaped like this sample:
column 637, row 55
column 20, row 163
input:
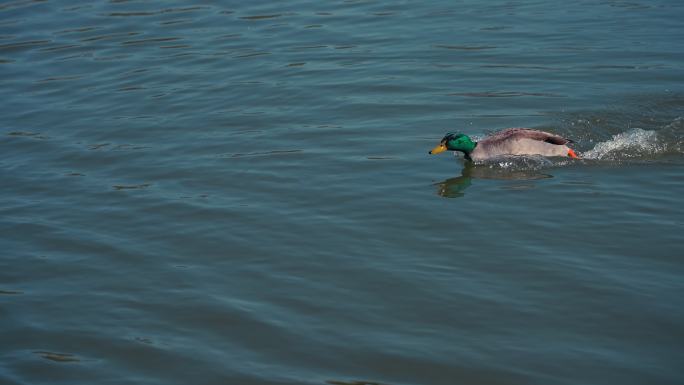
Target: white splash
column 635, row 143
column 517, row 162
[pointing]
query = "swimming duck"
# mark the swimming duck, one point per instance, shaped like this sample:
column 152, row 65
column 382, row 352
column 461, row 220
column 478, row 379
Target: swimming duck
column 513, row 141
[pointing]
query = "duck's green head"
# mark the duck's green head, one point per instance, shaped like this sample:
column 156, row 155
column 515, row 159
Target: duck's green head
column 455, row 142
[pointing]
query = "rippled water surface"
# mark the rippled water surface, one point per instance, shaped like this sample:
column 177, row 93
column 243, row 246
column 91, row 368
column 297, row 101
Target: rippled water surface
column 240, row 193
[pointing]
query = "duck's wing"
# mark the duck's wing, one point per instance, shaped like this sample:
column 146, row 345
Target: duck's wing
column 525, row 133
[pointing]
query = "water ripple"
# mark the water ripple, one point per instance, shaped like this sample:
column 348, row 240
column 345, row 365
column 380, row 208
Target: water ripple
column 159, row 12
column 243, row 188
column 58, row 357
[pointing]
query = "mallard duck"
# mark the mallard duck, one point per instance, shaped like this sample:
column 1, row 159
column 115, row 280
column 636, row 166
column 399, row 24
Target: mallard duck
column 513, row 141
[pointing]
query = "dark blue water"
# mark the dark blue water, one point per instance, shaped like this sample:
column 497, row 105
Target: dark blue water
column 241, row 193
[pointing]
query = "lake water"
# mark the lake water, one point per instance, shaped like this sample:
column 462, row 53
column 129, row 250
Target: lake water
column 240, row 193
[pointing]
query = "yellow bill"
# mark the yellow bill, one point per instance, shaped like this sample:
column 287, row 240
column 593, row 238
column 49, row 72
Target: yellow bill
column 440, row 148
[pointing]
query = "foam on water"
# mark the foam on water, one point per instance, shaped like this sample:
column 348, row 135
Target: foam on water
column 635, row 143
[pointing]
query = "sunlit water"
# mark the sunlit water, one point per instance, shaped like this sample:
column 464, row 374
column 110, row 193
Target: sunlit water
column 241, row 193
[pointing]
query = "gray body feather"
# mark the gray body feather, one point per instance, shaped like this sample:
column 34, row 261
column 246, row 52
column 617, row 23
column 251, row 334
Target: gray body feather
column 520, row 141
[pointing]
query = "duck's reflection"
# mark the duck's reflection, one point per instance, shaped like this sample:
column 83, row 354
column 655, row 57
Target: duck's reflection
column 455, row 187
